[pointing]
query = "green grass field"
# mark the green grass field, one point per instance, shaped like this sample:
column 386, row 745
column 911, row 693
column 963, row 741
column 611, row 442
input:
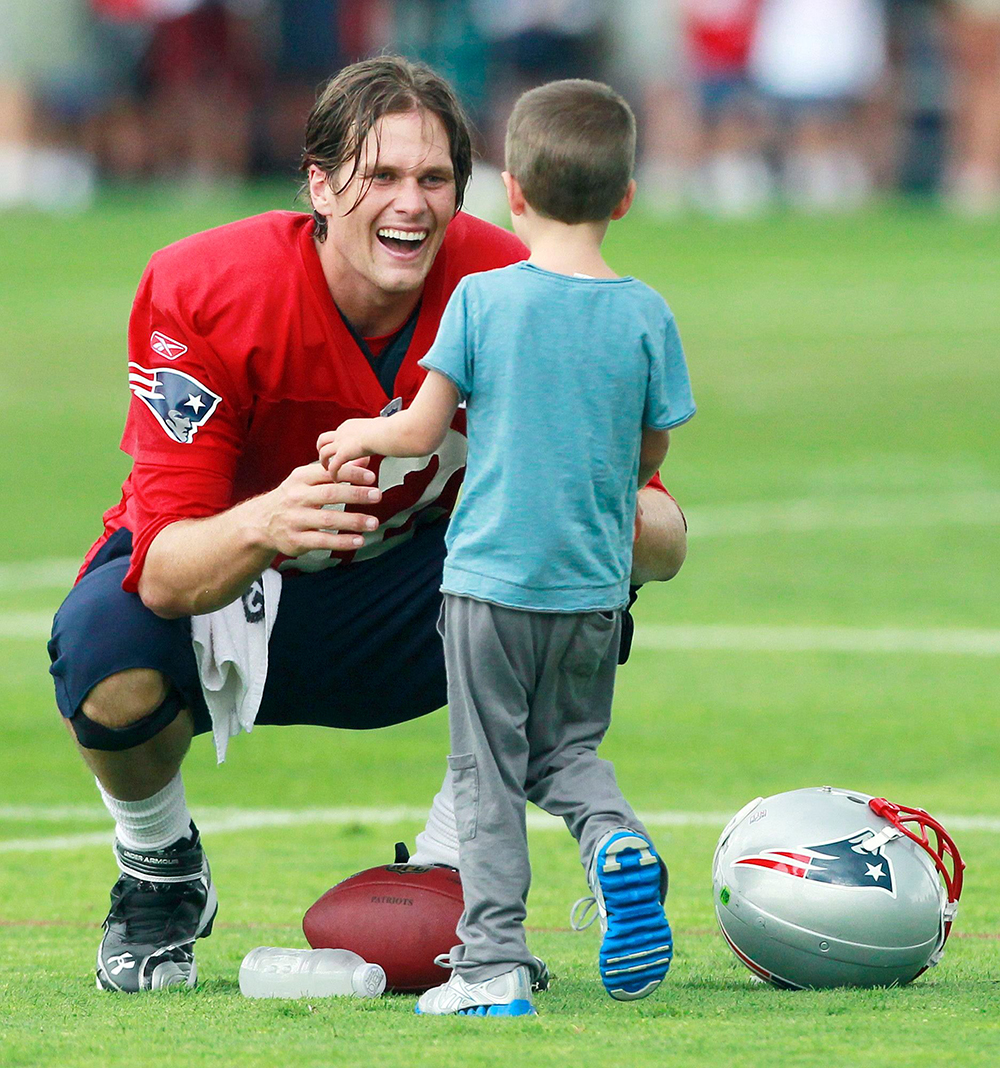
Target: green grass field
column 837, row 621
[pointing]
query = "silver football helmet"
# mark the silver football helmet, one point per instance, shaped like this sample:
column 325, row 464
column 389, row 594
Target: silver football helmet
column 823, row 887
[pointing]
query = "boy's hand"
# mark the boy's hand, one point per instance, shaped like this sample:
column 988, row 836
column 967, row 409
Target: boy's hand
column 341, row 446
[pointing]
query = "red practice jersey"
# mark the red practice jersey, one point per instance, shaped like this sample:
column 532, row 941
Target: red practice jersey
column 239, row 360
column 720, row 35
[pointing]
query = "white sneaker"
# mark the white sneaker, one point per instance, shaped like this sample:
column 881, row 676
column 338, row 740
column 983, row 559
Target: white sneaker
column 540, row 975
column 503, row 995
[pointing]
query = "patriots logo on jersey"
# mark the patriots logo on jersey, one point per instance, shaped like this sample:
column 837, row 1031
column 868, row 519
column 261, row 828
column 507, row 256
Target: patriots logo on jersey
column 180, row 403
column 844, row 862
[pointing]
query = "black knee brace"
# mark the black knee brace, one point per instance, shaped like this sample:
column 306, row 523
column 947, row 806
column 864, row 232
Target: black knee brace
column 93, row 735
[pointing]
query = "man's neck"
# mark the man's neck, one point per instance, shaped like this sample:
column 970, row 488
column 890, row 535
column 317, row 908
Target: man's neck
column 370, row 310
column 376, row 320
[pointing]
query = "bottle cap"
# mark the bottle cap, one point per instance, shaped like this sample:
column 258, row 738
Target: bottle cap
column 368, row 981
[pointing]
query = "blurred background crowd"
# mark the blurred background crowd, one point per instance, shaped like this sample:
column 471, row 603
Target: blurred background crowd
column 819, row 104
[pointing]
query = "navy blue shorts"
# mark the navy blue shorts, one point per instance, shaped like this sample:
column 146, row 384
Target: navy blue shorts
column 353, row 647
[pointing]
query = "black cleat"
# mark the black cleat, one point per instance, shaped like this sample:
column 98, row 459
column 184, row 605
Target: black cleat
column 162, row 902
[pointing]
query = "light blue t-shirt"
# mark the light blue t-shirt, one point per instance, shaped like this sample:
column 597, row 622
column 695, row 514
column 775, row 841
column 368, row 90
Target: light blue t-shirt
column 559, row 375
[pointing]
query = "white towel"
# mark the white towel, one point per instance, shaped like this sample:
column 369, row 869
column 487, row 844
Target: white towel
column 230, row 646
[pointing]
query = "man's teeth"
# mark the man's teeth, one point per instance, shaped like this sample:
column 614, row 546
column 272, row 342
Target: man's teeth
column 403, row 235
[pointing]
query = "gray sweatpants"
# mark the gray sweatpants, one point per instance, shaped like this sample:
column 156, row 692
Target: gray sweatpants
column 529, row 695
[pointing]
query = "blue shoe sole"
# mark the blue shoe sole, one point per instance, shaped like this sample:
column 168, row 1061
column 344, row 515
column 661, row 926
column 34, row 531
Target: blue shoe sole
column 638, row 946
column 518, row 1007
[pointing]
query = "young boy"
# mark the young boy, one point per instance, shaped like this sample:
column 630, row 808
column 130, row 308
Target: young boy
column 572, row 378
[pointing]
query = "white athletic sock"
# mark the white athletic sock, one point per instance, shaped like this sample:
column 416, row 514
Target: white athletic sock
column 437, row 843
column 153, row 823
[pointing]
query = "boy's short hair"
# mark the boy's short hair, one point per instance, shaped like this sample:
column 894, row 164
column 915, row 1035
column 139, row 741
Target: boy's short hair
column 571, row 147
column 353, row 101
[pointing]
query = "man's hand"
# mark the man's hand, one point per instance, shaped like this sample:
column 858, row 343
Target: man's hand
column 337, row 448
column 660, row 537
column 306, row 511
column 198, row 565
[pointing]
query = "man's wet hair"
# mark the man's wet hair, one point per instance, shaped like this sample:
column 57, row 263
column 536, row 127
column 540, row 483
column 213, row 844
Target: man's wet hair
column 352, row 102
column 571, row 147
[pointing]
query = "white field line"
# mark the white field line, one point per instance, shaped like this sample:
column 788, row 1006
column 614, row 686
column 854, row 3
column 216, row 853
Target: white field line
column 866, row 511
column 224, row 820
column 26, row 626
column 750, row 518
column 35, row 626
column 784, row 639
column 53, row 574
column 967, row 507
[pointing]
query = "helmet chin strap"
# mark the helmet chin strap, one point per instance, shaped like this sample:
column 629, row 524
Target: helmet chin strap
column 943, row 846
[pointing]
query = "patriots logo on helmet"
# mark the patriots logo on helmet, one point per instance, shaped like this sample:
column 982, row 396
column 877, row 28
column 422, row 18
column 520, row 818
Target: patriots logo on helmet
column 843, row 862
column 180, row 403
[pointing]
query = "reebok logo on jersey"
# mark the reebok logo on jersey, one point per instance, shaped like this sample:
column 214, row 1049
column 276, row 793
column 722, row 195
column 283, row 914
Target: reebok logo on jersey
column 166, row 346
column 180, row 403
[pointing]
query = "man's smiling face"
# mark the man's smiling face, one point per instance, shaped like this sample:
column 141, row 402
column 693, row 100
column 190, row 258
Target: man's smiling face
column 386, row 245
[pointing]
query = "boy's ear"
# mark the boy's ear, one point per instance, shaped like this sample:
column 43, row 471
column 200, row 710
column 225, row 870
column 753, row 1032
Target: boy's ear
column 626, row 201
column 515, row 198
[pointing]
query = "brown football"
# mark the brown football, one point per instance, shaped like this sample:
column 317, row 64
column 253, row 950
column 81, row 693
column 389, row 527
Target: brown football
column 400, row 916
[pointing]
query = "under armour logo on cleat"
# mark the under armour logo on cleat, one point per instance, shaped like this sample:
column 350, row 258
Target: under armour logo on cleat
column 628, row 842
column 121, row 962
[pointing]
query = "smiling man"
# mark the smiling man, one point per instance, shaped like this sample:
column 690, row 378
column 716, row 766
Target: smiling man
column 245, row 343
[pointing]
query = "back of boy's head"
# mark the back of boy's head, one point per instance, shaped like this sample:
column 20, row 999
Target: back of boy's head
column 571, row 147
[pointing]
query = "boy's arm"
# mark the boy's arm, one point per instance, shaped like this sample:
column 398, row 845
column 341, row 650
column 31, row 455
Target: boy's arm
column 652, row 452
column 416, row 431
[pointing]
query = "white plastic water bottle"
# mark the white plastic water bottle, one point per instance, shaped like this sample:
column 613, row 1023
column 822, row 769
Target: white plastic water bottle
column 272, row 972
